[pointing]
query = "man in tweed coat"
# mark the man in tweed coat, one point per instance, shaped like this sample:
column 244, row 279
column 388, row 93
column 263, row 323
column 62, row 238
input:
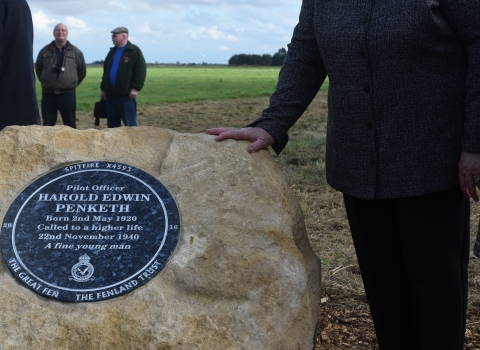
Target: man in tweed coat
column 18, row 98
column 403, row 143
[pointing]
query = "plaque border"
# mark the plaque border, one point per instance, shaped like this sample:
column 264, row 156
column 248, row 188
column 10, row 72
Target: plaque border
column 48, row 178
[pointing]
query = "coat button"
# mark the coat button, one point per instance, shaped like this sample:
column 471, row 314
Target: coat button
column 372, row 161
column 367, row 89
column 363, row 54
column 369, row 124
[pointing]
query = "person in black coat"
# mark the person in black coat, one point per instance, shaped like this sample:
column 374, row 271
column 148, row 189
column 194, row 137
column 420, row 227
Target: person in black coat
column 403, row 146
column 18, row 98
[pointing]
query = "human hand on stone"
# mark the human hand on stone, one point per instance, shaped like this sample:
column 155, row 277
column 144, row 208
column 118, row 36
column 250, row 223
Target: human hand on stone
column 469, row 174
column 258, row 137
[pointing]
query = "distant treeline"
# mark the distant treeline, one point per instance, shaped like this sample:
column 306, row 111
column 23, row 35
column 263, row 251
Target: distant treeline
column 240, row 59
column 193, row 64
column 259, row 60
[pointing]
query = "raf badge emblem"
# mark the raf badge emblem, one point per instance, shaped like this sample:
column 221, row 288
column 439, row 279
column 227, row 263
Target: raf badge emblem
column 83, row 270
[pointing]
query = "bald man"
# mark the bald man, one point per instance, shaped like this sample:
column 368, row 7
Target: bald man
column 60, row 67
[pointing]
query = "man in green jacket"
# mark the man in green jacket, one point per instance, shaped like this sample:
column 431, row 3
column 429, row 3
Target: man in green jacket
column 124, row 72
column 60, row 67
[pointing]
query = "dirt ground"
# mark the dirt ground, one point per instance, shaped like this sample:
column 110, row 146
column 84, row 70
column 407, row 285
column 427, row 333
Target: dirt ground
column 345, row 321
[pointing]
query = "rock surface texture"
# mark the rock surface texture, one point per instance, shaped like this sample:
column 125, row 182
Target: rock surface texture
column 243, row 275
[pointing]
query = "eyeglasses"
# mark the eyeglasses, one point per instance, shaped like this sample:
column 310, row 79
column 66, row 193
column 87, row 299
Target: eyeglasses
column 61, row 30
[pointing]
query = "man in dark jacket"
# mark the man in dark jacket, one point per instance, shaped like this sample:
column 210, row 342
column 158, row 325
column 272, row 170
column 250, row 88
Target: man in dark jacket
column 60, row 68
column 18, row 99
column 124, row 72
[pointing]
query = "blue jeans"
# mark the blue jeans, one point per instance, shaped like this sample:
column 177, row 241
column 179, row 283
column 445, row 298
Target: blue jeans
column 65, row 103
column 121, row 108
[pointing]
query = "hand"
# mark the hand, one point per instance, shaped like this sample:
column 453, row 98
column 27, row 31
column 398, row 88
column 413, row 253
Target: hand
column 260, row 138
column 103, row 96
column 133, row 94
column 468, row 171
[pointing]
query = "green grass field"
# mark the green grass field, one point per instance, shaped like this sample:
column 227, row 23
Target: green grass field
column 184, row 84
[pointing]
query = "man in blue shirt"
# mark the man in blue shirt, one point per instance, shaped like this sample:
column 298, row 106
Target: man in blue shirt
column 124, row 73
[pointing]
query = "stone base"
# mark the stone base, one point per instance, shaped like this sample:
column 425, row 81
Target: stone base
column 243, row 275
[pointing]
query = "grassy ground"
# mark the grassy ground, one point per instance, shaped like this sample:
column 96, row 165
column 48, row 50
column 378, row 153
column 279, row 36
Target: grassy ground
column 184, row 84
column 345, row 320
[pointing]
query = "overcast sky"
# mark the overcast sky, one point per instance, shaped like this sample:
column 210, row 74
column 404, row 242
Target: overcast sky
column 168, row 31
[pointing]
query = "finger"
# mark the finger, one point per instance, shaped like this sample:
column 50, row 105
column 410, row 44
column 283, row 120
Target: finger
column 257, row 146
column 263, row 141
column 217, row 131
column 472, row 190
column 235, row 134
column 463, row 187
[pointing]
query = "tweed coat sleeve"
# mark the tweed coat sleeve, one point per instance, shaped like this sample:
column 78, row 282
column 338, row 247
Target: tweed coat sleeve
column 18, row 100
column 2, row 20
column 464, row 18
column 300, row 78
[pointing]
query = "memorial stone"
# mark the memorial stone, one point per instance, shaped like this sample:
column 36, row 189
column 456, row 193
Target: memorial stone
column 237, row 273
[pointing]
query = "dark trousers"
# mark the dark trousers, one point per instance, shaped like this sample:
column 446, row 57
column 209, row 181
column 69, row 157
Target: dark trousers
column 121, row 108
column 66, row 104
column 413, row 255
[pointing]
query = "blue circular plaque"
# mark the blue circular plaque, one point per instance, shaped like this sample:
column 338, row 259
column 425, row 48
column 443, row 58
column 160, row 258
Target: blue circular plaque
column 90, row 231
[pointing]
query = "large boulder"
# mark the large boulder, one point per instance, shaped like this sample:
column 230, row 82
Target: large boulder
column 243, row 275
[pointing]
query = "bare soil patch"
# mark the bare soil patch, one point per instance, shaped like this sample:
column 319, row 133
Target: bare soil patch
column 345, row 321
